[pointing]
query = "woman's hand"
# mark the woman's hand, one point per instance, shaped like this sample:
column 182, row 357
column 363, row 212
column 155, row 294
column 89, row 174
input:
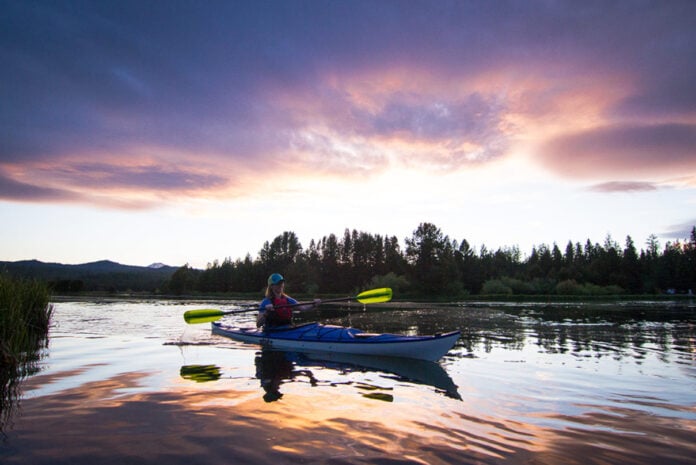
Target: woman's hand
column 261, row 317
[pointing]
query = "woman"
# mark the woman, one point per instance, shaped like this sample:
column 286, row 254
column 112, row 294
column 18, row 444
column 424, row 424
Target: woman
column 276, row 309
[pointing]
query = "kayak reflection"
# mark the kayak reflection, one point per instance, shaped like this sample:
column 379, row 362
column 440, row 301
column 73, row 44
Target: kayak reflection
column 273, row 368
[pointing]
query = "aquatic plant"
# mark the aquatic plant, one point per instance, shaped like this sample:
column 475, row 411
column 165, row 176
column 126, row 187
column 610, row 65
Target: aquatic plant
column 25, row 314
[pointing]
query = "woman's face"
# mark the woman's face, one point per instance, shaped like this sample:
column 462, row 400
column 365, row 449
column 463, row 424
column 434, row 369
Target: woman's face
column 278, row 288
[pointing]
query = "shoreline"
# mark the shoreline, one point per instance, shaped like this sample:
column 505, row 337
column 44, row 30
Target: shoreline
column 491, row 298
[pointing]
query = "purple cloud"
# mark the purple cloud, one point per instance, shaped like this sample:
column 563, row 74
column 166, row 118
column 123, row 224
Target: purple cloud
column 191, row 79
column 157, row 178
column 20, row 191
column 624, row 186
column 635, row 150
column 680, row 231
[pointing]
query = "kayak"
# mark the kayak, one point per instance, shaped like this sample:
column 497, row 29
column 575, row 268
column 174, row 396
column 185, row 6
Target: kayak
column 316, row 337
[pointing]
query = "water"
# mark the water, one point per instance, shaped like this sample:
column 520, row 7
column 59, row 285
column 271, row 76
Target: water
column 130, row 382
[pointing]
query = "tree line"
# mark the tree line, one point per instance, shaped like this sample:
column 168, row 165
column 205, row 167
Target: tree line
column 432, row 264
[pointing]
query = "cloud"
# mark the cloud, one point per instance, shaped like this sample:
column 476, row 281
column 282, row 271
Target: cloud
column 17, row 191
column 680, row 231
column 624, row 151
column 234, row 90
column 375, row 126
column 625, row 186
column 660, row 74
column 103, row 176
column 468, row 128
column 20, row 191
column 673, row 98
column 113, row 185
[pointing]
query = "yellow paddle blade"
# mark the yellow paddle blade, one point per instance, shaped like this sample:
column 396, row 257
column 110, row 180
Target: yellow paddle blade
column 205, row 315
column 375, row 296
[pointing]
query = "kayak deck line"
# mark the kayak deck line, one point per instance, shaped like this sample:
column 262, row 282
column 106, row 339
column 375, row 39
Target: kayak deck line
column 330, row 338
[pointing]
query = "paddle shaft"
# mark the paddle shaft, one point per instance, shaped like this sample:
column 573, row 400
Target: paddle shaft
column 367, row 297
column 298, row 304
column 256, row 307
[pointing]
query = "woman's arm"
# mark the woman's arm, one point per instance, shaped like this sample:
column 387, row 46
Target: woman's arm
column 264, row 308
column 310, row 306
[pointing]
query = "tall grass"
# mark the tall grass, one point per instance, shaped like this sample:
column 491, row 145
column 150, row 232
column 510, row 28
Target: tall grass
column 25, row 314
column 24, row 318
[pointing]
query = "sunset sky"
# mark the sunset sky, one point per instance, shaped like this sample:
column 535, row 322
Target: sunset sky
column 181, row 132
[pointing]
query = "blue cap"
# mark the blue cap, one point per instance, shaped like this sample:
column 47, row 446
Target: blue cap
column 275, row 278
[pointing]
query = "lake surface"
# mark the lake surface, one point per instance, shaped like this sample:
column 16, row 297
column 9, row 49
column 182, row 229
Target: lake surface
column 130, row 382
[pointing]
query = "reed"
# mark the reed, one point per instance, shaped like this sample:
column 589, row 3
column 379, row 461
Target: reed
column 25, row 314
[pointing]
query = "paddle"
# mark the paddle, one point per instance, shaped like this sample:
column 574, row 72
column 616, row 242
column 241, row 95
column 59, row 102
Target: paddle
column 373, row 296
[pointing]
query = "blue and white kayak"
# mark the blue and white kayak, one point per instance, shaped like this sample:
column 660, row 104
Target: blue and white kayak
column 316, row 337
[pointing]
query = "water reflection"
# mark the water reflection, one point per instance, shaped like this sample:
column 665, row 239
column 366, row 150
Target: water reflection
column 9, row 395
column 12, row 374
column 111, row 421
column 571, row 384
column 200, row 373
column 274, row 368
column 612, row 329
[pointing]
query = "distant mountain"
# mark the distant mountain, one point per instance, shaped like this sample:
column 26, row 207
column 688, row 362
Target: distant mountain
column 157, row 266
column 36, row 267
column 103, row 275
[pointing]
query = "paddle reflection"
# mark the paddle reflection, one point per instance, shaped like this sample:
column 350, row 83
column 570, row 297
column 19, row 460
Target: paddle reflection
column 200, row 373
column 273, row 368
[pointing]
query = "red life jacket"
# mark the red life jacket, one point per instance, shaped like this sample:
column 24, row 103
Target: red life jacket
column 282, row 313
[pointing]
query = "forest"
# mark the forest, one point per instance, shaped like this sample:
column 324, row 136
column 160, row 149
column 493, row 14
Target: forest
column 431, row 264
